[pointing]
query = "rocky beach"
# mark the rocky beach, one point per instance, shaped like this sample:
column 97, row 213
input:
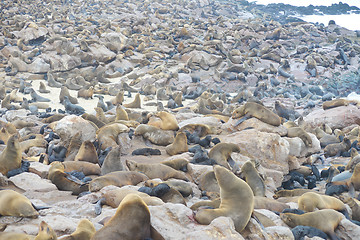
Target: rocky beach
column 190, row 119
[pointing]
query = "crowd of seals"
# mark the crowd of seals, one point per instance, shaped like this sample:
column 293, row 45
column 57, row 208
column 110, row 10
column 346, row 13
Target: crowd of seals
column 136, row 120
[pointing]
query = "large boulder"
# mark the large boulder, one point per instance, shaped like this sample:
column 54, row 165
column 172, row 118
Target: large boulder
column 31, row 33
column 338, row 117
column 269, row 149
column 253, row 123
column 68, row 126
column 101, row 53
column 61, row 63
column 347, row 230
column 26, row 181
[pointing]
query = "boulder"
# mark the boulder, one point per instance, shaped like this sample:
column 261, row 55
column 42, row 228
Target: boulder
column 12, row 115
column 26, row 181
column 253, row 123
column 279, row 233
column 268, row 148
column 101, row 53
column 31, row 33
column 338, row 117
column 63, row 62
column 347, row 230
column 68, row 126
column 38, row 66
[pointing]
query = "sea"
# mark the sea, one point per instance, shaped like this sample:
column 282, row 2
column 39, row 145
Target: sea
column 350, row 21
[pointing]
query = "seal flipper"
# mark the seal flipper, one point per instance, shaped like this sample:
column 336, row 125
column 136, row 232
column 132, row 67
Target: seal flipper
column 352, row 190
column 241, row 120
column 258, row 221
column 98, row 206
column 38, row 208
column 333, row 236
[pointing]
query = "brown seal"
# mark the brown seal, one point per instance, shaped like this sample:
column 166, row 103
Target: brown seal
column 45, row 233
column 155, row 135
column 252, row 109
column 301, row 133
column 119, row 98
column 208, row 183
column 101, row 115
column 291, row 193
column 87, row 152
column 133, row 208
column 38, row 141
column 42, row 88
column 179, row 145
column 355, row 178
column 177, row 163
column 84, row 230
column 335, row 103
column 232, row 191
column 84, row 167
column 112, row 161
column 93, row 119
column 86, row 93
column 269, row 204
column 221, row 153
column 134, row 104
column 355, row 159
column 63, row 181
column 309, row 201
column 53, row 118
column 337, row 148
column 156, row 170
column 201, row 129
column 316, row 220
column 355, row 207
column 118, row 178
column 10, row 157
column 73, row 147
column 15, row 204
column 4, row 135
column 65, row 92
column 167, row 121
column 108, row 134
column 253, row 178
column 121, row 114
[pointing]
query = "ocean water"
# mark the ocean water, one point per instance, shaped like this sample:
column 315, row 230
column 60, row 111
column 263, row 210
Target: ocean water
column 349, row 21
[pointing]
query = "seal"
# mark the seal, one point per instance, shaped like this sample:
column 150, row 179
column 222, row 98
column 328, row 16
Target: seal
column 156, row 170
column 316, row 220
column 269, row 204
column 177, row 164
column 252, row 109
column 84, row 230
column 84, row 167
column 45, row 233
column 87, row 152
column 134, row 104
column 200, row 129
column 86, row 93
column 183, row 187
column 112, row 161
column 38, row 98
column 155, row 135
column 179, row 145
column 337, row 148
column 65, row 92
column 355, row 159
column 221, row 153
column 301, row 133
column 310, row 201
column 300, row 232
column 167, row 121
column 74, row 146
column 42, row 88
column 93, row 119
column 101, row 115
column 131, row 207
column 15, row 204
column 4, row 135
column 232, row 191
column 108, row 134
column 355, row 208
column 282, row 111
column 253, row 178
column 335, row 103
column 118, row 178
column 291, row 193
column 355, row 178
column 10, row 157
column 64, row 181
column 119, row 98
column 121, row 114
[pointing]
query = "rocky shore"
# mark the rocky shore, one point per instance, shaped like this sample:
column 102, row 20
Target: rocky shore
column 151, row 95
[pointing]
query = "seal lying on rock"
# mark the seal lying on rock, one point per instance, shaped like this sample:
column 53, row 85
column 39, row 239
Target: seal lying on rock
column 252, row 109
column 45, row 233
column 15, row 204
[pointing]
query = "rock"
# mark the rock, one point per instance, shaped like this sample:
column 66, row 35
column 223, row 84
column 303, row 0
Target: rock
column 101, row 53
column 276, row 176
column 253, row 123
column 196, row 171
column 125, row 142
column 31, row 33
column 347, row 230
column 278, row 233
column 40, row 169
column 63, row 62
column 35, row 151
column 38, row 66
column 272, row 216
column 26, row 181
column 219, row 228
column 338, row 117
column 268, row 148
column 70, row 125
column 297, row 146
column 12, row 115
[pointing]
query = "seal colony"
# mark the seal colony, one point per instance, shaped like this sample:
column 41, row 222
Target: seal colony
column 176, row 120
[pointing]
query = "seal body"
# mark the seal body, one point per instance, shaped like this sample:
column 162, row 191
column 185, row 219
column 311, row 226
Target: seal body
column 258, row 111
column 10, row 158
column 15, row 204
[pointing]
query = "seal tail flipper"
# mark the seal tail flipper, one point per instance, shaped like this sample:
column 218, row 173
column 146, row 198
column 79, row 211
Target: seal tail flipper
column 241, row 120
column 98, row 206
column 351, row 190
column 38, row 208
column 333, row 236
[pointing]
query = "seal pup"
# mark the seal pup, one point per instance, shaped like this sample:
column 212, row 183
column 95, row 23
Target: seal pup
column 42, row 88
column 155, row 135
column 232, row 191
column 86, row 93
column 252, row 109
column 310, row 201
column 15, row 204
column 85, row 230
column 167, row 121
column 72, row 108
column 10, row 157
column 133, row 208
column 65, row 92
column 45, row 233
column 87, row 152
column 253, row 178
column 179, row 145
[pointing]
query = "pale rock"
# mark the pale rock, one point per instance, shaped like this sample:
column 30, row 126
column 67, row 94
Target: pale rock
column 279, row 233
column 268, row 148
column 347, row 230
column 184, row 79
column 275, row 175
column 18, row 64
column 101, row 53
column 68, row 126
column 185, row 155
column 253, row 231
column 272, row 216
column 38, row 66
column 26, row 181
column 35, row 151
column 116, row 38
column 40, row 168
column 196, row 171
column 338, row 117
column 12, row 115
column 63, row 62
column 125, row 143
column 30, row 33
column 219, row 228
column 296, row 146
column 253, row 123
column 72, row 208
